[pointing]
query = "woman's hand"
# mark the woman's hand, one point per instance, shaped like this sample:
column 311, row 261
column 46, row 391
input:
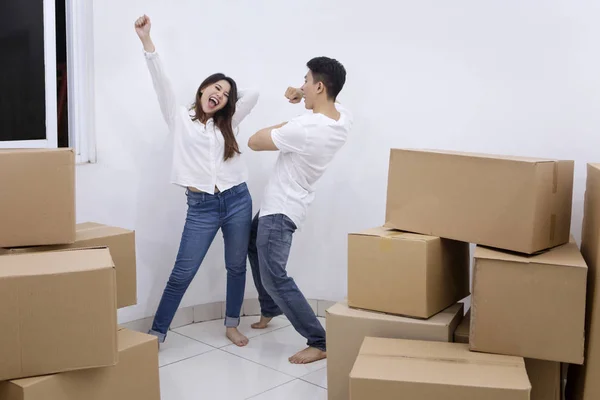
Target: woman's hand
column 142, row 28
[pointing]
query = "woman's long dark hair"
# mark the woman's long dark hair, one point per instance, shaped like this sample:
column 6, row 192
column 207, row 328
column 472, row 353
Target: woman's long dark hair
column 223, row 117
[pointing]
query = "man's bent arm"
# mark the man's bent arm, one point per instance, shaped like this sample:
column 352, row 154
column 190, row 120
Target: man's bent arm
column 262, row 140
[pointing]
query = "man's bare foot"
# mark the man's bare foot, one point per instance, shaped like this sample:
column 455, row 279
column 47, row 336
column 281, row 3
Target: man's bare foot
column 308, row 355
column 262, row 324
column 236, row 337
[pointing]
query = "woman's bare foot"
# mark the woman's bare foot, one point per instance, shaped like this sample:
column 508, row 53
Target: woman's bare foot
column 308, row 355
column 262, row 324
column 236, row 337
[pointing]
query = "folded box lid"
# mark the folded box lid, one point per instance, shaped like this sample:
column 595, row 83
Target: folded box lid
column 443, row 318
column 566, row 255
column 126, row 339
column 93, row 230
column 391, row 233
column 530, row 160
column 437, row 363
column 57, row 262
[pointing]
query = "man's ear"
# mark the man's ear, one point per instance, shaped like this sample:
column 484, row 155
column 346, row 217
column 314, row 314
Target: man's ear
column 320, row 88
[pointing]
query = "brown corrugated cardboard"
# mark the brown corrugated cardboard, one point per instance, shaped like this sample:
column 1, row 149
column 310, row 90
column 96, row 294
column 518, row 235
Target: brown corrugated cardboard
column 530, row 306
column 37, row 200
column 545, row 376
column 391, row 369
column 461, row 334
column 120, row 242
column 518, row 204
column 134, row 377
column 57, row 312
column 347, row 328
column 406, row 273
column 583, row 382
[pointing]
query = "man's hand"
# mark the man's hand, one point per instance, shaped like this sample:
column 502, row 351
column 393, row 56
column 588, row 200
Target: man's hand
column 294, row 95
column 142, row 28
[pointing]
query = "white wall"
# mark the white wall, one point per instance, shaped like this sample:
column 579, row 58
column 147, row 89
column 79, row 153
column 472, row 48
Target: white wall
column 518, row 77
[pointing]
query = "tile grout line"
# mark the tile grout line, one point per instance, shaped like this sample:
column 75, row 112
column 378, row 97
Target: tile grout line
column 188, row 358
column 229, row 344
column 195, row 340
column 259, row 335
column 261, row 365
column 213, row 348
column 311, row 383
column 273, row 388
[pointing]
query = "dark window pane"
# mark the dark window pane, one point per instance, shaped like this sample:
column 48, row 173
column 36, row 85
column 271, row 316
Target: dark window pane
column 22, row 73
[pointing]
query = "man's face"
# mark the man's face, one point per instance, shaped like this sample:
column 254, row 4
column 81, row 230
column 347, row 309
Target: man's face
column 311, row 90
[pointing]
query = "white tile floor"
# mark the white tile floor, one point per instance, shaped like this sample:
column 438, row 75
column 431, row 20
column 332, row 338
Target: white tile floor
column 197, row 361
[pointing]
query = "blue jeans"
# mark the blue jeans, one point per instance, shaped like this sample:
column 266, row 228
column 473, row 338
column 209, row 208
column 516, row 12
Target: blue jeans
column 270, row 243
column 231, row 211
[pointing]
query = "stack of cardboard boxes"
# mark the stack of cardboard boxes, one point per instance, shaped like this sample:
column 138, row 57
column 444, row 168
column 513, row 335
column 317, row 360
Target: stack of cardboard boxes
column 583, row 382
column 60, row 287
column 529, row 284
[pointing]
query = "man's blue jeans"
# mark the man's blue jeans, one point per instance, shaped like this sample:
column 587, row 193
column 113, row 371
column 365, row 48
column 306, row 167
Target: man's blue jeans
column 270, row 244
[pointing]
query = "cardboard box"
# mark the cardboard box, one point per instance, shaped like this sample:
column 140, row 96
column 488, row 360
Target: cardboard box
column 134, row 377
column 545, row 376
column 512, row 203
column 405, row 273
column 583, row 382
column 57, row 312
column 347, row 328
column 461, row 334
column 532, row 306
column 37, row 200
column 120, row 242
column 391, row 369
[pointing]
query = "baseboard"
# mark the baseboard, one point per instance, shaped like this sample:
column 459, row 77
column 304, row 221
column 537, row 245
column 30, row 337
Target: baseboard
column 212, row 311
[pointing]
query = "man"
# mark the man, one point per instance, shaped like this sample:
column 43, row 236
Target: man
column 307, row 145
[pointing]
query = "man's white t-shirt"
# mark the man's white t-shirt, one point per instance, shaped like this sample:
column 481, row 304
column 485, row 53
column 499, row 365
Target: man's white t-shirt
column 307, row 146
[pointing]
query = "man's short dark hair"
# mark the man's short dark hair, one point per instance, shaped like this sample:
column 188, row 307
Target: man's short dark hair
column 330, row 72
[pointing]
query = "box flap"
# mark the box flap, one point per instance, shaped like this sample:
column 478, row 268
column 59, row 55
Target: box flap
column 28, row 382
column 443, row 318
column 391, row 233
column 93, row 230
column 566, row 255
column 531, row 160
column 437, row 363
column 56, row 262
column 594, row 165
column 128, row 339
column 17, row 151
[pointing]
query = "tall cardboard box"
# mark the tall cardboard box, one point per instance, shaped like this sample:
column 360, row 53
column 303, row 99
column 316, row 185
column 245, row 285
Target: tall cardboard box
column 545, row 376
column 583, row 382
column 391, row 369
column 134, row 377
column 121, row 244
column 37, row 199
column 347, row 328
column 532, row 307
column 57, row 312
column 513, row 203
column 405, row 273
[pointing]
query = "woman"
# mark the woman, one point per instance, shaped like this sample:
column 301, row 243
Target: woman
column 206, row 161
